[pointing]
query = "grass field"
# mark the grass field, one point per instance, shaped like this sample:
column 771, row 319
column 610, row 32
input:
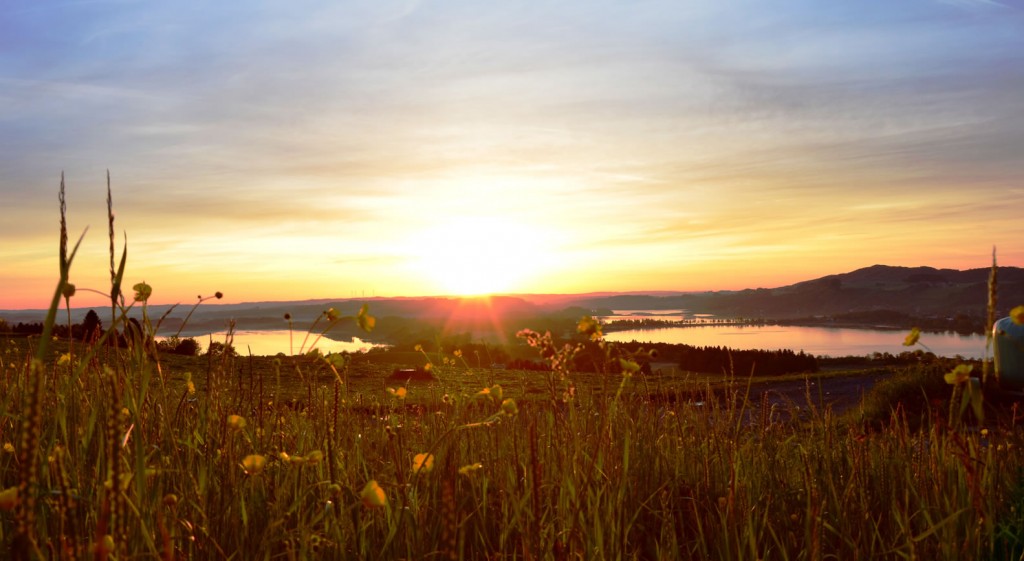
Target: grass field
column 281, row 459
column 119, row 453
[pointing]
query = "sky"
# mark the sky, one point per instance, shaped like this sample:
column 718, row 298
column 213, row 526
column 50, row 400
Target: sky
column 288, row 150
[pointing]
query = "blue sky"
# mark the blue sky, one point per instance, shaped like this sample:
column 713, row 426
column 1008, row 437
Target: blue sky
column 287, row 150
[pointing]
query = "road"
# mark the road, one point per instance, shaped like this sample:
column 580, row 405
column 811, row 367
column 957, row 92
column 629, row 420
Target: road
column 841, row 393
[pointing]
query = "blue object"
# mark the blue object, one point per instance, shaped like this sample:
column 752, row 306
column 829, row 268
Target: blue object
column 1008, row 343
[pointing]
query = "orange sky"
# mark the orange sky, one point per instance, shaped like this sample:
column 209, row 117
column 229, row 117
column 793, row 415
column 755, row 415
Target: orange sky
column 456, row 147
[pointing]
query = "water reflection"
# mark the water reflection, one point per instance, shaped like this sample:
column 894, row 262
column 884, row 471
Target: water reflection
column 826, row 341
column 281, row 341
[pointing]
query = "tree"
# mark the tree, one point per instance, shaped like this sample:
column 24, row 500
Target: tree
column 92, row 327
column 187, row 346
column 217, row 349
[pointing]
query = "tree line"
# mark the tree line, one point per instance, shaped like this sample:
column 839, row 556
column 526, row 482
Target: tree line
column 91, row 329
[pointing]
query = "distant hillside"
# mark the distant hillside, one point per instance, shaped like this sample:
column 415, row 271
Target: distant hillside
column 873, row 295
column 914, row 291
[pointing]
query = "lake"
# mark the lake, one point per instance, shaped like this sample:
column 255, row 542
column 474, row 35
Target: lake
column 281, row 341
column 820, row 341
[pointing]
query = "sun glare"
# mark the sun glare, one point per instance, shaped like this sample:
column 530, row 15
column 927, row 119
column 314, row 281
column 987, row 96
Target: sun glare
column 478, row 256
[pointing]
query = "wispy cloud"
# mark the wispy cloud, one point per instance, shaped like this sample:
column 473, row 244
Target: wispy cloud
column 647, row 131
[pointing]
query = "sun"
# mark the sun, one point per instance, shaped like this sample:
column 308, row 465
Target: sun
column 480, row 255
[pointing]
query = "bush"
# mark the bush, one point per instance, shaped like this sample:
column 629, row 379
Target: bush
column 175, row 345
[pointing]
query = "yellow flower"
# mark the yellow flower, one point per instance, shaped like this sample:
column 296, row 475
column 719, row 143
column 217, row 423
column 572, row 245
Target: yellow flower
column 1018, row 315
column 418, row 348
column 422, row 463
column 508, row 407
column 236, row 422
column 64, row 360
column 959, row 375
column 8, row 447
column 399, row 393
column 589, row 326
column 372, row 495
column 912, row 337
column 469, row 469
column 9, row 498
column 253, row 464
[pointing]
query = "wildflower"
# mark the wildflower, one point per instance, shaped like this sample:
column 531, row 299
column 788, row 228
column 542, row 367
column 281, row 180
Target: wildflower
column 64, row 360
column 218, row 295
column 9, row 498
column 589, row 326
column 399, row 393
column 364, row 320
column 332, row 314
column 912, row 337
column 509, row 408
column 372, row 495
column 422, row 463
column 1018, row 315
column 418, row 348
column 494, row 392
column 236, row 422
column 959, row 375
column 142, row 292
column 458, row 353
column 253, row 464
column 468, row 470
column 68, row 291
column 8, row 447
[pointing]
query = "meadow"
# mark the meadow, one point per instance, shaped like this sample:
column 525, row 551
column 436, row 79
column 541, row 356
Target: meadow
column 120, row 452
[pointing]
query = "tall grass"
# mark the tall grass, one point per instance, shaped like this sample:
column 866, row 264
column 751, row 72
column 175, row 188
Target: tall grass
column 121, row 458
